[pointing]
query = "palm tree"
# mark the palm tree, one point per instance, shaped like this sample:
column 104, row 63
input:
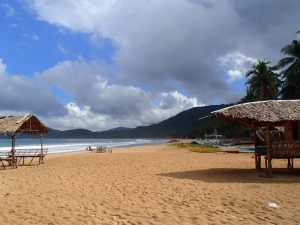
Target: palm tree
column 262, row 82
column 248, row 97
column 291, row 72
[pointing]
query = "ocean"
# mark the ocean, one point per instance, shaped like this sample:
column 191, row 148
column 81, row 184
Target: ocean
column 71, row 145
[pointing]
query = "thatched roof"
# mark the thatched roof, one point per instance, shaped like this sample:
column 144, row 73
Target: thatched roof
column 273, row 111
column 24, row 124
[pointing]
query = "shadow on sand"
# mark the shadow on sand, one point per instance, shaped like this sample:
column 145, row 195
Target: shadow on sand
column 229, row 175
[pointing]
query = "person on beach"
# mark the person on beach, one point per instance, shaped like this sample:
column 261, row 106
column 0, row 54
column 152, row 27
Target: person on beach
column 89, row 149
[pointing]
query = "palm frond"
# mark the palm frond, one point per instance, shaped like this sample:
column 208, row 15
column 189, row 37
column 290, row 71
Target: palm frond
column 285, row 61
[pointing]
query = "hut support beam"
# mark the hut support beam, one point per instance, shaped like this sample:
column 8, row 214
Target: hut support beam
column 257, row 155
column 41, row 160
column 269, row 154
column 13, row 149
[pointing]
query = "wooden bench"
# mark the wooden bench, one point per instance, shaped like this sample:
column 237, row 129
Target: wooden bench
column 22, row 154
column 7, row 160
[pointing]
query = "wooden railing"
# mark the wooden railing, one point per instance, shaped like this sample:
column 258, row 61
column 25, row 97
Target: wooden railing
column 285, row 149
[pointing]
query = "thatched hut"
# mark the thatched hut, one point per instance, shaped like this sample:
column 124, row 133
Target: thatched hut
column 269, row 114
column 28, row 124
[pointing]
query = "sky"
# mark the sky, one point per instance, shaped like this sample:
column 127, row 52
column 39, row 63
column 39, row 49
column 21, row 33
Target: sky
column 101, row 64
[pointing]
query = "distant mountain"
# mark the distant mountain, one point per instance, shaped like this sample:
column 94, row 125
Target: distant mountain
column 75, row 133
column 177, row 126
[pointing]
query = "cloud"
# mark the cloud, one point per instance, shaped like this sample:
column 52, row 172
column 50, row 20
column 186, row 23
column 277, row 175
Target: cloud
column 83, row 117
column 156, row 41
column 171, row 99
column 62, row 49
column 170, row 55
column 95, row 103
column 13, row 25
column 236, row 64
column 35, row 37
column 171, row 44
column 7, row 9
column 32, row 37
column 99, row 104
column 19, row 93
column 77, row 117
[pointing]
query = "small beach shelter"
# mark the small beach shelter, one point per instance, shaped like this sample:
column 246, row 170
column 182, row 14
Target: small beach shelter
column 13, row 126
column 268, row 114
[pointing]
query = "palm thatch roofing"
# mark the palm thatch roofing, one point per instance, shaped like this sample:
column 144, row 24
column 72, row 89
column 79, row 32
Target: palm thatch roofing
column 262, row 112
column 21, row 124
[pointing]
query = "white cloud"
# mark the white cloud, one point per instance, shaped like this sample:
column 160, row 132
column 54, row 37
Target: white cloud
column 32, row 37
column 162, row 46
column 62, row 49
column 156, row 40
column 22, row 94
column 13, row 25
column 236, row 64
column 8, row 9
column 235, row 75
column 162, row 43
column 171, row 99
column 2, row 68
column 83, row 117
column 77, row 117
column 99, row 104
column 35, row 37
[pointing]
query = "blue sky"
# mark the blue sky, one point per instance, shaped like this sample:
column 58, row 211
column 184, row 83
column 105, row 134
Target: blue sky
column 109, row 63
column 29, row 45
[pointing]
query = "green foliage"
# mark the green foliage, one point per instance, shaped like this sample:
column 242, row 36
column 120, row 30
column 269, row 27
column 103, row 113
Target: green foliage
column 291, row 70
column 228, row 128
column 262, row 82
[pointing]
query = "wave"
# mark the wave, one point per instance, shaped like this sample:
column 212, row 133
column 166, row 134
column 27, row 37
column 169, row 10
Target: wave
column 71, row 145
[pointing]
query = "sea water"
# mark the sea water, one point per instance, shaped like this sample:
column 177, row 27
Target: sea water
column 71, row 145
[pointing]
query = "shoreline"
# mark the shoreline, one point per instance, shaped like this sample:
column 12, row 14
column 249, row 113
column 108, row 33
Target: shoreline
column 79, row 145
column 120, row 149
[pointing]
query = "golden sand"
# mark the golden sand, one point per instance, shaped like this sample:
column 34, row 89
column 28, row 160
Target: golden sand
column 157, row 184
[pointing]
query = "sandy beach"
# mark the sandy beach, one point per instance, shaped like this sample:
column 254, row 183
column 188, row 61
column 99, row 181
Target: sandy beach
column 157, row 184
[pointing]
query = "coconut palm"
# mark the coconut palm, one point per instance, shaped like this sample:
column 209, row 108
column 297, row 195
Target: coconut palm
column 262, row 82
column 291, row 70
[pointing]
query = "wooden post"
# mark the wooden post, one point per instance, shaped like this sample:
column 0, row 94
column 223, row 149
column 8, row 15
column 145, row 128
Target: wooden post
column 41, row 160
column 269, row 155
column 13, row 150
column 257, row 166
